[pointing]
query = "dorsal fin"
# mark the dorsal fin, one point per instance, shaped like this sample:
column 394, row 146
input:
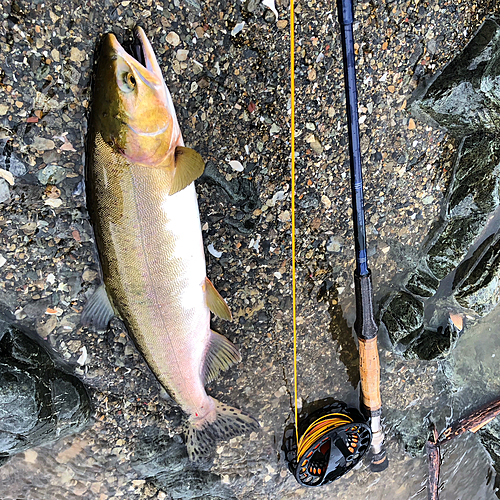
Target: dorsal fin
column 189, row 165
column 221, row 355
column 216, row 303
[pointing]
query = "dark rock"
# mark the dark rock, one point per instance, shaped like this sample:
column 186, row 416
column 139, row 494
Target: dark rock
column 480, row 291
column 422, row 284
column 465, row 268
column 462, row 97
column 39, row 401
column 414, row 445
column 431, row 344
column 490, row 81
column 476, row 185
column 453, row 244
column 241, row 192
column 403, row 318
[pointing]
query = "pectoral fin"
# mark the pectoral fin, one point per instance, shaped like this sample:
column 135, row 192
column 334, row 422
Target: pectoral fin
column 189, row 165
column 221, row 355
column 216, row 303
column 98, row 311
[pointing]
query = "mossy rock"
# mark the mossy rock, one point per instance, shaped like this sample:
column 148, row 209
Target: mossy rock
column 403, row 318
column 480, row 290
column 422, row 284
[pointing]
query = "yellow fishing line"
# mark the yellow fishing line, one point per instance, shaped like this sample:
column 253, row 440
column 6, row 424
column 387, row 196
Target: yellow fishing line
column 319, row 428
column 332, row 420
column 292, row 125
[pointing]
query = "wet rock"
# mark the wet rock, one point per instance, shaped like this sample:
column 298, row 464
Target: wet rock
column 403, row 318
column 453, row 244
column 465, row 268
column 490, row 439
column 480, row 289
column 422, row 284
column 432, row 344
column 476, row 185
column 39, row 401
column 490, row 81
column 164, row 461
column 463, row 97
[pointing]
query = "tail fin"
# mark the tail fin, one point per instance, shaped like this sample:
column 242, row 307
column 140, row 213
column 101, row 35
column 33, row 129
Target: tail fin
column 229, row 422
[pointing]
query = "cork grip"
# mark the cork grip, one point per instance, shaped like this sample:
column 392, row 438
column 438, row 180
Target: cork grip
column 369, row 370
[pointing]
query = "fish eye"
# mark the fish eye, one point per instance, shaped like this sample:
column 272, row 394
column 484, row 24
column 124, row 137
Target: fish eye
column 127, row 82
column 131, row 79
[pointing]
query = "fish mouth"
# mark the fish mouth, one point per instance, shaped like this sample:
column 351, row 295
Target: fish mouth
column 140, row 54
column 135, row 49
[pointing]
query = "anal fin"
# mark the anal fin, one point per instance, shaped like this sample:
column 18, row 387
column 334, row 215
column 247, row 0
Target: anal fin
column 216, row 303
column 189, row 165
column 220, row 356
column 98, row 311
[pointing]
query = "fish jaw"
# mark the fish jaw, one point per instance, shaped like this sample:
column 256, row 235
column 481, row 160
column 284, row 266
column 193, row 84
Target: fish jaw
column 133, row 109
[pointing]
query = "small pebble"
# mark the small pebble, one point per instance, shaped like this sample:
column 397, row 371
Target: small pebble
column 4, row 191
column 182, row 55
column 236, row 166
column 42, row 144
column 211, row 249
column 52, row 174
column 284, row 216
column 237, row 28
column 173, row 39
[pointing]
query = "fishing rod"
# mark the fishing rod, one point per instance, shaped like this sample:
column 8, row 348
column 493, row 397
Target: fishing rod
column 365, row 327
column 331, row 441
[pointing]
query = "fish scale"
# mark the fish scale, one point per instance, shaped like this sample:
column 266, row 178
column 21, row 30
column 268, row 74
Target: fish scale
column 147, row 274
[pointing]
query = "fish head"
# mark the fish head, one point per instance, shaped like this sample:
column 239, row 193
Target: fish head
column 132, row 107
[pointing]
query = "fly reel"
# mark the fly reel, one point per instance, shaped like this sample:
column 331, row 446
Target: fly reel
column 332, row 440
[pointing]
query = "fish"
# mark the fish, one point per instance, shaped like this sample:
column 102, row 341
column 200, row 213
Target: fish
column 143, row 206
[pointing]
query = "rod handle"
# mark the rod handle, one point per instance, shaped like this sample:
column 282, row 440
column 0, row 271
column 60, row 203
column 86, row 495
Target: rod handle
column 369, row 370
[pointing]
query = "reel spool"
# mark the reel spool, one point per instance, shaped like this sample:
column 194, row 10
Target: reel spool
column 332, row 440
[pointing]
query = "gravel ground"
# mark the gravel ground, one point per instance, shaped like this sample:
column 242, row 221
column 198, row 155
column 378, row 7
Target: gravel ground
column 231, row 92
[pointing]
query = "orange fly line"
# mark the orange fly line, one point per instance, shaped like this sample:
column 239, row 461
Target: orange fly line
column 292, row 125
column 333, row 420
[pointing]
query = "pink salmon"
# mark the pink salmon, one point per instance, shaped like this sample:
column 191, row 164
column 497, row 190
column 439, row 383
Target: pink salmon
column 143, row 205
